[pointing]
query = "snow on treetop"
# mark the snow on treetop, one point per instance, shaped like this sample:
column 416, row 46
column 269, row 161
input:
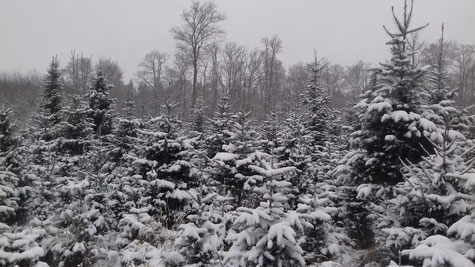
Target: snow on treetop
column 154, row 134
column 438, row 250
column 178, row 194
column 281, row 230
column 225, row 156
column 464, row 228
column 272, row 172
column 380, row 106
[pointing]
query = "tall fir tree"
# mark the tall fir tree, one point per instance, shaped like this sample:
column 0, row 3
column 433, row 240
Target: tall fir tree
column 391, row 114
column 9, row 193
column 76, row 128
column 49, row 115
column 52, row 92
column 100, row 105
column 221, row 128
column 267, row 235
column 317, row 99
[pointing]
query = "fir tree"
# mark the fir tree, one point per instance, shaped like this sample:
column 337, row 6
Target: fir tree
column 231, row 166
column 9, row 193
column 76, row 128
column 49, row 115
column 7, row 141
column 221, row 128
column 434, row 207
column 391, row 114
column 162, row 160
column 266, row 235
column 198, row 116
column 100, row 105
column 22, row 248
column 52, row 93
column 437, row 88
column 317, row 99
column 125, row 132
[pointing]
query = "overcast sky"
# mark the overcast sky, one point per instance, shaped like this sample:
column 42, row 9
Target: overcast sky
column 343, row 31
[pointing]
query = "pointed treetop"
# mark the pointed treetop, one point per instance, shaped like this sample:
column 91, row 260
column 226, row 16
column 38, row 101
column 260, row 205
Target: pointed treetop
column 403, row 27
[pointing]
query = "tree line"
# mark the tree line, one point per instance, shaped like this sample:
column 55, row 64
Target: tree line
column 207, row 66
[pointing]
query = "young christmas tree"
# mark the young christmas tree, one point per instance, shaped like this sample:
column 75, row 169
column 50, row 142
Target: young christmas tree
column 317, row 99
column 52, row 93
column 231, row 164
column 391, row 115
column 221, row 128
column 76, row 128
column 431, row 218
column 162, row 162
column 198, row 116
column 51, row 103
column 124, row 132
column 100, row 105
column 267, row 235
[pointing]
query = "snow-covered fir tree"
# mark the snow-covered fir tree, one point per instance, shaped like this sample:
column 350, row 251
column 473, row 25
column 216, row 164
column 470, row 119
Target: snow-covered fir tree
column 124, row 132
column 52, row 93
column 267, row 235
column 201, row 238
column 100, row 105
column 198, row 116
column 76, row 128
column 431, row 218
column 317, row 99
column 231, row 164
column 9, row 181
column 392, row 125
column 221, row 128
column 163, row 164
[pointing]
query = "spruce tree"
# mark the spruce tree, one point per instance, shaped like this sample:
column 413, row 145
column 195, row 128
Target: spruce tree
column 432, row 216
column 100, row 105
column 391, row 114
column 52, row 93
column 124, row 132
column 221, row 128
column 317, row 99
column 49, row 115
column 267, row 235
column 198, row 116
column 9, row 193
column 163, row 170
column 231, row 164
column 76, row 128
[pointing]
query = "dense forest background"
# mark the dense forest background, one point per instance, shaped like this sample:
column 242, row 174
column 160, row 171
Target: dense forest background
column 219, row 155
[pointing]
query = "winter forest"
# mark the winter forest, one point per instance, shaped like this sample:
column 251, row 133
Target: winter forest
column 221, row 155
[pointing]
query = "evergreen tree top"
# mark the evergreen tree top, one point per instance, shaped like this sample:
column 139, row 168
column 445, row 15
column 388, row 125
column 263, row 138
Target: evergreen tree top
column 52, row 96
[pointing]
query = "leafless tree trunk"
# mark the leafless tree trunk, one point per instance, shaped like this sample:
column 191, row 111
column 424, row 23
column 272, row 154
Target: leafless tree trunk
column 463, row 62
column 198, row 31
column 272, row 47
column 151, row 74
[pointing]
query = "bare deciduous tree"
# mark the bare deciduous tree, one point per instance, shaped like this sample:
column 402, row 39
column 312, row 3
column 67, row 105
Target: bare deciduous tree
column 233, row 70
column 199, row 30
column 464, row 61
column 416, row 46
column 272, row 47
column 254, row 73
column 181, row 66
column 213, row 52
column 151, row 74
column 356, row 77
column 78, row 71
column 111, row 71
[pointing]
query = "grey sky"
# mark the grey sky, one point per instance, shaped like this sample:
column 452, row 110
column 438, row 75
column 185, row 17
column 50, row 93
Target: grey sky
column 341, row 30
